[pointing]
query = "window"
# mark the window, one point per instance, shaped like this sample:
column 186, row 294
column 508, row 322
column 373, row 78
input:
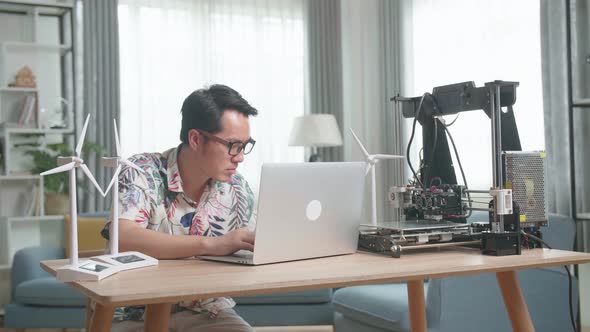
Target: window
column 460, row 40
column 170, row 48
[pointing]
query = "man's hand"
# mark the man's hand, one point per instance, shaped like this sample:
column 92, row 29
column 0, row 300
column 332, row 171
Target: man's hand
column 231, row 242
column 166, row 246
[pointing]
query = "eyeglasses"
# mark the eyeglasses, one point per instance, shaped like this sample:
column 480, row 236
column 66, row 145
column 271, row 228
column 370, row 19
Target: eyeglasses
column 235, row 147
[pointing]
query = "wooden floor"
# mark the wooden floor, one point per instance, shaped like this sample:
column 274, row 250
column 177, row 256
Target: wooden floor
column 258, row 329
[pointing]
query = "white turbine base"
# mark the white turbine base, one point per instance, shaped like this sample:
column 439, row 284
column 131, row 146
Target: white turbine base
column 85, row 270
column 127, row 260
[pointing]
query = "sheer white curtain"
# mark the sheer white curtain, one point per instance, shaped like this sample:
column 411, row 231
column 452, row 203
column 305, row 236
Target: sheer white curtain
column 480, row 41
column 171, row 48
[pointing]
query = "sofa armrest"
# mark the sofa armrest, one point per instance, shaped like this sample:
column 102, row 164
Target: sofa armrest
column 25, row 265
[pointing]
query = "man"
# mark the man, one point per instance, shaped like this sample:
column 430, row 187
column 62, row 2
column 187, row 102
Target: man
column 191, row 201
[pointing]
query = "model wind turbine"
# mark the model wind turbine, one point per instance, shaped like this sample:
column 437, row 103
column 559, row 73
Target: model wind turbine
column 79, row 270
column 126, row 260
column 373, row 159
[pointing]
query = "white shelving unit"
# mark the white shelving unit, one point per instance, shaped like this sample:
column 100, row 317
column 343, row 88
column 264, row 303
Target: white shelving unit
column 16, row 195
column 12, row 102
column 15, row 46
column 38, row 34
column 41, row 38
column 18, row 90
column 10, row 136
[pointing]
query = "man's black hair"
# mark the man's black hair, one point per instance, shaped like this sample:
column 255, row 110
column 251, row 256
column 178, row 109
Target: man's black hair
column 203, row 109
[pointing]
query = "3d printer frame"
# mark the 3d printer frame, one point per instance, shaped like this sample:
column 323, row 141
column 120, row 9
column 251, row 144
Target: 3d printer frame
column 502, row 237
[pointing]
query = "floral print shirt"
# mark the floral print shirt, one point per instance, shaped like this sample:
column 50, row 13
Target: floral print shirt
column 155, row 200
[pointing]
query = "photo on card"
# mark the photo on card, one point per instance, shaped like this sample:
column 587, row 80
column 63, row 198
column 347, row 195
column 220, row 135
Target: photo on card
column 94, row 267
column 126, row 259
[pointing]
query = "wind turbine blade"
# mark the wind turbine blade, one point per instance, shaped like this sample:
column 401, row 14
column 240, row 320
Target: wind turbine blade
column 91, row 177
column 387, row 156
column 59, row 169
column 368, row 169
column 360, row 144
column 81, row 138
column 132, row 165
column 117, row 144
column 115, row 178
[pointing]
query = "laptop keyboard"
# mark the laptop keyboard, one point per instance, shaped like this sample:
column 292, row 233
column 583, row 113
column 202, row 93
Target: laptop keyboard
column 243, row 254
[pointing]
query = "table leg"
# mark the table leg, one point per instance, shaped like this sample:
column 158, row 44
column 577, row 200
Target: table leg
column 416, row 305
column 157, row 317
column 514, row 301
column 88, row 314
column 101, row 318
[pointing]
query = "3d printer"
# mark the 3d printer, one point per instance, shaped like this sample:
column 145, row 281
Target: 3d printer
column 434, row 207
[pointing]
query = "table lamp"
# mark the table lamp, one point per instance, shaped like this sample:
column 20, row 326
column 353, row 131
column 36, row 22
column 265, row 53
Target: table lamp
column 315, row 130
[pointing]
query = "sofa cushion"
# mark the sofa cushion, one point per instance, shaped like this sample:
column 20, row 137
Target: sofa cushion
column 383, row 306
column 48, row 292
column 310, row 296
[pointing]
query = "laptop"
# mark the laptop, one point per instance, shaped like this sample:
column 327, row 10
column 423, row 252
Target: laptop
column 305, row 210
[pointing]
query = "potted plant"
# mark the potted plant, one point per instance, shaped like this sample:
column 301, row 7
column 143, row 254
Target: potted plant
column 56, row 185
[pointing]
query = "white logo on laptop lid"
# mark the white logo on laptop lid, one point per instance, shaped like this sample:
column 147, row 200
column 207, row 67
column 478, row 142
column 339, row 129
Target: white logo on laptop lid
column 313, row 210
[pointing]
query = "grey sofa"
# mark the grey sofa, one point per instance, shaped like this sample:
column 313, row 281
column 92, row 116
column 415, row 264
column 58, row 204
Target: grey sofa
column 470, row 303
column 34, row 293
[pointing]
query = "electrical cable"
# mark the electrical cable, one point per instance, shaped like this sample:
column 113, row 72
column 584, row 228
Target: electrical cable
column 454, row 120
column 412, row 138
column 479, row 202
column 431, row 158
column 458, row 159
column 428, row 162
column 569, row 274
column 461, row 168
column 420, row 162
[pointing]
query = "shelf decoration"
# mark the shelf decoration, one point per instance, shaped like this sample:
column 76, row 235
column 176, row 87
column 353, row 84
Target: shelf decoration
column 24, row 79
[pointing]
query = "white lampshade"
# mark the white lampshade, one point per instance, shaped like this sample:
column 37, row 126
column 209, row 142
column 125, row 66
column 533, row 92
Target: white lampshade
column 317, row 130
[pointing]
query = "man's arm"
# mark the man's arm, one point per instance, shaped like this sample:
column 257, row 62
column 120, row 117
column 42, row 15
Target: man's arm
column 133, row 237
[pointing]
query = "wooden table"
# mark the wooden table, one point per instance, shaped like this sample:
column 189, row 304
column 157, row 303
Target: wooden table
column 176, row 280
